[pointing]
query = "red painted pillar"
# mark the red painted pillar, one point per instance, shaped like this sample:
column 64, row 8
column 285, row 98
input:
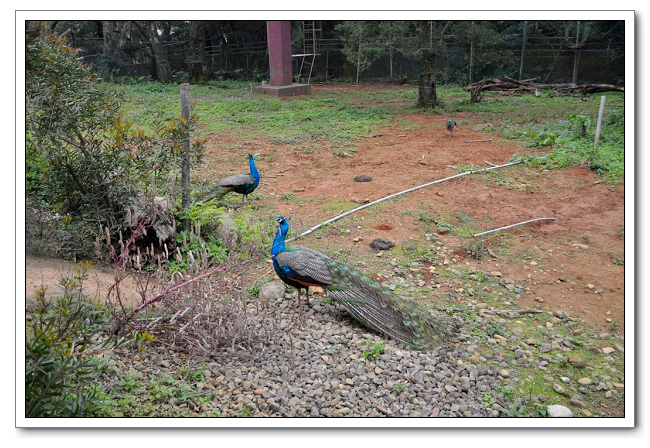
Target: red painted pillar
column 279, row 39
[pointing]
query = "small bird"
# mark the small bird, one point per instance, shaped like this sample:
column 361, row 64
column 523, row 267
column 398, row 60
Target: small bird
column 366, row 299
column 451, row 125
column 243, row 184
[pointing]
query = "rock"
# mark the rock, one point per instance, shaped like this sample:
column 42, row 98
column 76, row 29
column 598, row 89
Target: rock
column 586, row 413
column 272, row 291
column 585, row 381
column 556, row 410
column 545, row 348
column 504, row 373
column 559, row 389
column 608, row 350
column 578, row 403
column 619, row 348
column 379, row 244
column 442, row 230
column 576, row 361
column 363, row 178
column 495, row 274
column 581, row 246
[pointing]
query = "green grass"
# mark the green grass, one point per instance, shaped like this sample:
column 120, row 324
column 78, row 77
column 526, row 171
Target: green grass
column 338, row 119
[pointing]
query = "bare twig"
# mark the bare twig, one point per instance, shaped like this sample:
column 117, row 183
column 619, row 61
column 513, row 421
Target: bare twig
column 158, row 297
column 483, row 140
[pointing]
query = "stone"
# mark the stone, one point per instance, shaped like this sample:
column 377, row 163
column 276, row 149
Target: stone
column 272, row 290
column 556, row 410
column 578, row 403
column 608, row 350
column 585, row 381
column 586, row 413
column 559, row 389
column 576, row 361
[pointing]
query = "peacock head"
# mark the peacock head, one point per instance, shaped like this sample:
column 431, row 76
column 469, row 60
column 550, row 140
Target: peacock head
column 284, row 225
column 278, row 243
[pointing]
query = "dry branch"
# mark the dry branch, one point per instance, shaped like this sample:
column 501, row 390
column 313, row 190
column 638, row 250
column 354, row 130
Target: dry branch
column 509, row 86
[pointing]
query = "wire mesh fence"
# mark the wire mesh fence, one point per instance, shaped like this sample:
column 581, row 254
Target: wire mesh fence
column 520, row 52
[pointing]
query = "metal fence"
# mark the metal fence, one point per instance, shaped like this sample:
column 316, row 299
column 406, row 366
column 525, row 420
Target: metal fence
column 521, row 56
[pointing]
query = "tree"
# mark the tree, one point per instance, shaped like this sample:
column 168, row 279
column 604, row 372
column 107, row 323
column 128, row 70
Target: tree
column 361, row 47
column 196, row 60
column 427, row 53
column 162, row 65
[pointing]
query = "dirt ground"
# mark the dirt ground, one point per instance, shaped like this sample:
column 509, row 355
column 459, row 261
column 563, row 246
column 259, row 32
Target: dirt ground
column 581, row 280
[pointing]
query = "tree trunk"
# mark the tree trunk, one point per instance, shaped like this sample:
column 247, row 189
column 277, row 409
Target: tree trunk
column 427, row 95
column 196, row 63
column 109, row 38
column 162, row 64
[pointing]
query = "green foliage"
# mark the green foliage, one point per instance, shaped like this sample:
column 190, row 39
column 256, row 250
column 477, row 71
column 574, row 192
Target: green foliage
column 58, row 367
column 131, row 381
column 515, row 411
column 488, row 400
column 373, row 349
column 81, row 153
column 399, row 387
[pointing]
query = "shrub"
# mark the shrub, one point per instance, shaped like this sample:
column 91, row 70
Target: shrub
column 59, row 367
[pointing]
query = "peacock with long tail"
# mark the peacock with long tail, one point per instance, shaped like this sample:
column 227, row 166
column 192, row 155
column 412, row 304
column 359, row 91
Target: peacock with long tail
column 363, row 297
column 243, row 184
column 451, row 125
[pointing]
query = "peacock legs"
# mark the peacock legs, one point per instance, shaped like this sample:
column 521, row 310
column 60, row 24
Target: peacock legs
column 302, row 315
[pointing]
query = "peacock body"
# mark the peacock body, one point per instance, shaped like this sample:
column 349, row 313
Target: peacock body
column 363, row 297
column 451, row 125
column 243, row 184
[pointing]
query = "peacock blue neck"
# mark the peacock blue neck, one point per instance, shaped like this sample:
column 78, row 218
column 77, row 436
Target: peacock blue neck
column 278, row 242
column 254, row 172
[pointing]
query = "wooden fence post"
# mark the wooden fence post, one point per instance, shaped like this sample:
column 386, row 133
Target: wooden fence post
column 185, row 164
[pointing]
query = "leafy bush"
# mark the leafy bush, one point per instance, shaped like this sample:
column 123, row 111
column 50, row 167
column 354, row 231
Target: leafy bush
column 83, row 158
column 59, row 369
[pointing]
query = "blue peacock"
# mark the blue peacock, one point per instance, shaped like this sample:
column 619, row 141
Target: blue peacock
column 364, row 298
column 451, row 125
column 243, row 184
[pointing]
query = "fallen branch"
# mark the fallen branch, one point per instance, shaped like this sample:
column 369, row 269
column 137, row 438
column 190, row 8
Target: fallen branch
column 483, row 140
column 514, row 225
column 336, row 218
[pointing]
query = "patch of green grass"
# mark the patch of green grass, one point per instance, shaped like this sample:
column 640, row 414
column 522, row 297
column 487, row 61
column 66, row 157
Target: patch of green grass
column 338, row 205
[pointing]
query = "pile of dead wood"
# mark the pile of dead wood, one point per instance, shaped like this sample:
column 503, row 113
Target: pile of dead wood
column 510, row 86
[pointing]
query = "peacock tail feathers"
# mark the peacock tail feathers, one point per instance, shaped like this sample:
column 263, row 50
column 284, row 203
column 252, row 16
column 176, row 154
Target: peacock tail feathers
column 381, row 309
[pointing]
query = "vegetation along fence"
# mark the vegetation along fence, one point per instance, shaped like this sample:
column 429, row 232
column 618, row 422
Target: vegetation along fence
column 553, row 51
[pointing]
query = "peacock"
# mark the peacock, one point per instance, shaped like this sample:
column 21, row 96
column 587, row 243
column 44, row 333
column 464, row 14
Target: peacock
column 243, row 184
column 364, row 298
column 451, row 125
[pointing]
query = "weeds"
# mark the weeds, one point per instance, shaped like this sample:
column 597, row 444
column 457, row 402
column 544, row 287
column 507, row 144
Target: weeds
column 373, row 349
